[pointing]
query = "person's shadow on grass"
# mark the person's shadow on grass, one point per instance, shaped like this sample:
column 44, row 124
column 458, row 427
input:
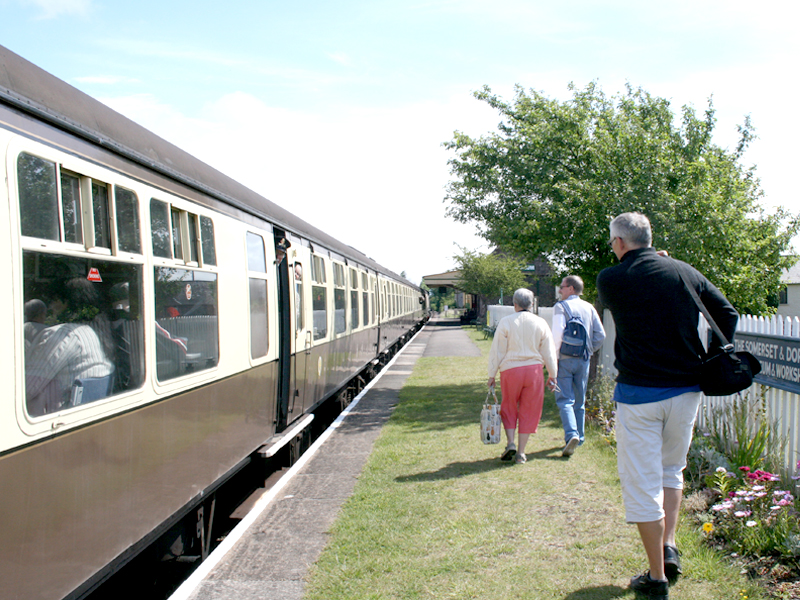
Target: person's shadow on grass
column 457, row 469
column 600, row 592
column 547, row 454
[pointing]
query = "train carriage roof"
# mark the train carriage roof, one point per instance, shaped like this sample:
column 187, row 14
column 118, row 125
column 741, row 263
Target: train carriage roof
column 26, row 87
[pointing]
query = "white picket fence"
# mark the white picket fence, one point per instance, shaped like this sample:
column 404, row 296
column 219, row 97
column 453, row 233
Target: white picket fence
column 782, row 407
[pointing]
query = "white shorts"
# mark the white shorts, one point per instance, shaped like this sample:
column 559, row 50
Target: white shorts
column 652, row 443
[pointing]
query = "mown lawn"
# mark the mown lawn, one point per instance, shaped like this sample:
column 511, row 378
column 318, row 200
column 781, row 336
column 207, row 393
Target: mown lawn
column 435, row 514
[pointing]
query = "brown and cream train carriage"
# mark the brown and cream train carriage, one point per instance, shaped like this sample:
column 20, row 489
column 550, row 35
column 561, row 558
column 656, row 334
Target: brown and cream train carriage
column 163, row 324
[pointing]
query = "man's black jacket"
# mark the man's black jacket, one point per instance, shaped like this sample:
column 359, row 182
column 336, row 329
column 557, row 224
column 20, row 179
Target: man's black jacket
column 657, row 343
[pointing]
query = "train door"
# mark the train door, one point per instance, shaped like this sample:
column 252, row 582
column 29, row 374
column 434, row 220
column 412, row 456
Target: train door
column 302, row 329
column 284, row 386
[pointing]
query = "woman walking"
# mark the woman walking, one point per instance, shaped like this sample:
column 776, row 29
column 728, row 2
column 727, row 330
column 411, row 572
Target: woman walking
column 522, row 344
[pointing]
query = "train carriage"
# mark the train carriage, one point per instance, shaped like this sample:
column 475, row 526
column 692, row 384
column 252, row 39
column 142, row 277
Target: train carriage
column 165, row 325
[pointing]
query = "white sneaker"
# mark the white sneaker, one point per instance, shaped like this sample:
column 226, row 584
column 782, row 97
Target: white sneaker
column 569, row 449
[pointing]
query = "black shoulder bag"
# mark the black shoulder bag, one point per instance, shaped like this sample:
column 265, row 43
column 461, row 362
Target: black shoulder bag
column 726, row 372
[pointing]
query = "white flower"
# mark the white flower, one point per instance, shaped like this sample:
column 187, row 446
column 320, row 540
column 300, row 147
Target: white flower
column 751, row 523
column 721, row 470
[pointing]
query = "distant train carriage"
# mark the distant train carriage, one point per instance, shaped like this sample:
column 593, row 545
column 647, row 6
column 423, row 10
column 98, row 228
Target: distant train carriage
column 163, row 324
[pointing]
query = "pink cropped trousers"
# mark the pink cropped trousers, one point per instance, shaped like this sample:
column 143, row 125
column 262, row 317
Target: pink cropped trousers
column 523, row 398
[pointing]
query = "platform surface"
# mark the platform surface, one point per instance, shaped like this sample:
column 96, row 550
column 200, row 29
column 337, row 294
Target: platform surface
column 271, row 558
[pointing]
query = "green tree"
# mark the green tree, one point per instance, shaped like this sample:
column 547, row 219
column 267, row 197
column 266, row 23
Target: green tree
column 556, row 173
column 487, row 275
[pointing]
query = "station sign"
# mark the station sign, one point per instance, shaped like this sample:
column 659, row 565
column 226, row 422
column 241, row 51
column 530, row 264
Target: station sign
column 779, row 357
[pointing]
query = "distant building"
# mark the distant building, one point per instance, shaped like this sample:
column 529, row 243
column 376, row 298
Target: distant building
column 537, row 273
column 789, row 295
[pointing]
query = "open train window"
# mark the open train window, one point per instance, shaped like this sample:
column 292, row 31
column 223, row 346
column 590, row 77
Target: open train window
column 257, row 267
column 319, row 297
column 181, row 235
column 84, row 331
column 64, row 206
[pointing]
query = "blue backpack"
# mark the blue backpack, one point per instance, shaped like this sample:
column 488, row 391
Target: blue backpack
column 575, row 341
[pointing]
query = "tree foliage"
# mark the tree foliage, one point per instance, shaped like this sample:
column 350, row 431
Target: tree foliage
column 489, row 275
column 553, row 176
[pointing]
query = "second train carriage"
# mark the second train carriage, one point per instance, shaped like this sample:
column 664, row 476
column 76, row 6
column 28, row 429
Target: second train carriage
column 217, row 321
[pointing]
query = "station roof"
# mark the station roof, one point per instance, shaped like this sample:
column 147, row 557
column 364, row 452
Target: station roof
column 448, row 279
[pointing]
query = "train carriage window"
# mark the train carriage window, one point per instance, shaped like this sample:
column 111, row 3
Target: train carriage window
column 62, row 206
column 177, row 233
column 38, row 197
column 194, row 237
column 159, row 228
column 84, row 333
column 257, row 265
column 354, row 299
column 186, row 327
column 181, row 235
column 71, row 208
column 256, row 255
column 319, row 295
column 339, row 300
column 207, row 238
column 365, row 298
column 102, row 232
column 128, row 230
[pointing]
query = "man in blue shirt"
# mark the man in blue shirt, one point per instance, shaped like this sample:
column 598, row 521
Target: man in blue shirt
column 658, row 353
column 573, row 371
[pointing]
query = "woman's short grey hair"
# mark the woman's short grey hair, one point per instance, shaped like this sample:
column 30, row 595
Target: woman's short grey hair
column 634, row 228
column 523, row 298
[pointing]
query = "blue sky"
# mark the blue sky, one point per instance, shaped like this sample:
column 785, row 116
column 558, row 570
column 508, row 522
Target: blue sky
column 337, row 110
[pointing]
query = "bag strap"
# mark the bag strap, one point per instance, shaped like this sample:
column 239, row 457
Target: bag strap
column 702, row 307
column 492, row 393
column 567, row 311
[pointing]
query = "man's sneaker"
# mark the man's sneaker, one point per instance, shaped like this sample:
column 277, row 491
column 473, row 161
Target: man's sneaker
column 569, row 449
column 672, row 563
column 650, row 588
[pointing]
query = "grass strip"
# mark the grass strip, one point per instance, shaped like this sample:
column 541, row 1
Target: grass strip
column 435, row 514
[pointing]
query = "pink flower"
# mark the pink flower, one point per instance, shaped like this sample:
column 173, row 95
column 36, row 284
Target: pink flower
column 742, row 513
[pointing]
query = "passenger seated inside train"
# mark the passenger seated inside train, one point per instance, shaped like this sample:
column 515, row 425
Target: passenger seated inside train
column 68, row 362
column 35, row 313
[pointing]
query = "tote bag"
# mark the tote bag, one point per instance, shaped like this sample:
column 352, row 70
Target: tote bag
column 491, row 425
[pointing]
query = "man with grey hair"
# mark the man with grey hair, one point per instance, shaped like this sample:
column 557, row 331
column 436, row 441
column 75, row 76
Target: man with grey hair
column 658, row 355
column 573, row 371
column 522, row 344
